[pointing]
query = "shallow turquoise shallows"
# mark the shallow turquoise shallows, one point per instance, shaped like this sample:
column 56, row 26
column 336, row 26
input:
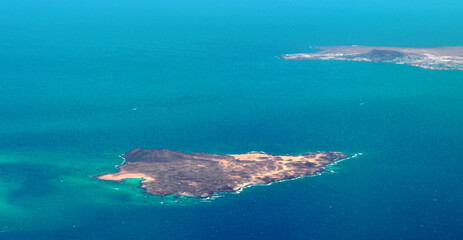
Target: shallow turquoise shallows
column 82, row 82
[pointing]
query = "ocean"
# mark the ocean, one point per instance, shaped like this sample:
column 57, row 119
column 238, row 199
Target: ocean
column 83, row 82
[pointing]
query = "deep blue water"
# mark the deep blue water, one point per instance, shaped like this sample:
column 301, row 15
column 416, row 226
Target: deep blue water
column 85, row 81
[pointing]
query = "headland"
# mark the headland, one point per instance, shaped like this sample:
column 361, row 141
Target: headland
column 442, row 58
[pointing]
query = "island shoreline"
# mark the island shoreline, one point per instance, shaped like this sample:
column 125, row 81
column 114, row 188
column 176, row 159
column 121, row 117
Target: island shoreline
column 271, row 169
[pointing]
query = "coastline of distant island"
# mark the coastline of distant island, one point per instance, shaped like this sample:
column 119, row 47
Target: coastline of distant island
column 165, row 172
column 442, row 58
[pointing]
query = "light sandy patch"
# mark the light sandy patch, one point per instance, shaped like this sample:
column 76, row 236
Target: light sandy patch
column 124, row 175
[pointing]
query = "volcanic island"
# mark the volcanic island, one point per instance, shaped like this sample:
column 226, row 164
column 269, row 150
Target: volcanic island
column 165, row 172
column 442, row 58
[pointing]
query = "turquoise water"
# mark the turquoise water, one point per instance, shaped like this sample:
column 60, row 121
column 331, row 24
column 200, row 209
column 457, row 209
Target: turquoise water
column 83, row 82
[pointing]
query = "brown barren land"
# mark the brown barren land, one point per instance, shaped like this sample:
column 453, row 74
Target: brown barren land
column 165, row 172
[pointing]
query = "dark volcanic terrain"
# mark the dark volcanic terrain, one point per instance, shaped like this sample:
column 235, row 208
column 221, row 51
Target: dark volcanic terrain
column 165, row 172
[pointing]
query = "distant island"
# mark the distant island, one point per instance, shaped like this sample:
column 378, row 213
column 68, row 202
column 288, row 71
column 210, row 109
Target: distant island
column 165, row 172
column 443, row 58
